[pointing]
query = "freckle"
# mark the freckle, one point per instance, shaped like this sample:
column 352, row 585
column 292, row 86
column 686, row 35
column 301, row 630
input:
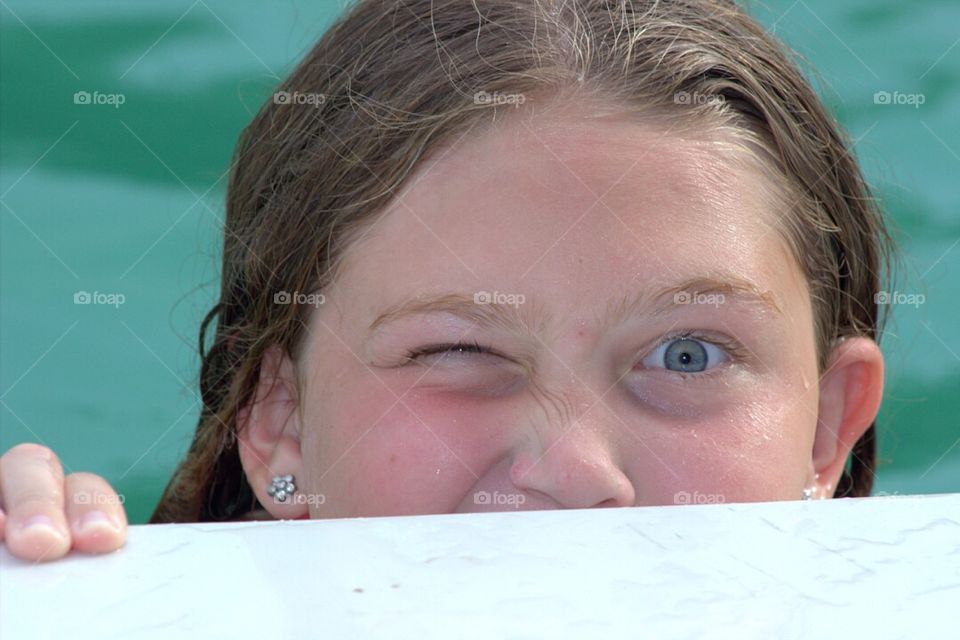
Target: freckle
column 393, row 458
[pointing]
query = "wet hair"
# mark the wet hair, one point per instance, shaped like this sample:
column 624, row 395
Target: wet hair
column 401, row 79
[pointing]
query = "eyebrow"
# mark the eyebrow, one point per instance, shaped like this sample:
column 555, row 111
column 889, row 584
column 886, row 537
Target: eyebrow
column 648, row 302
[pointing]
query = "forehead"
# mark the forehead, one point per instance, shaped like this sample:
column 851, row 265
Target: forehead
column 575, row 203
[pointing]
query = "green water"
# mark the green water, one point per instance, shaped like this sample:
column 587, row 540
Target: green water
column 129, row 200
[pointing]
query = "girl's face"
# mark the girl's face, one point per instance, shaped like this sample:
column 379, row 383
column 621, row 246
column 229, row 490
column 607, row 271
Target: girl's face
column 648, row 339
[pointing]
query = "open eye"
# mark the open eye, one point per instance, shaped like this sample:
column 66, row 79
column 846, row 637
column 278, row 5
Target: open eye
column 685, row 354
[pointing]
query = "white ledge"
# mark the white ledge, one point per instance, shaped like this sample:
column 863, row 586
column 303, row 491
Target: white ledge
column 885, row 567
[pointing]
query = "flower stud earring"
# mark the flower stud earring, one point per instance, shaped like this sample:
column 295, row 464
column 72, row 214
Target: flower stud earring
column 808, row 493
column 280, row 487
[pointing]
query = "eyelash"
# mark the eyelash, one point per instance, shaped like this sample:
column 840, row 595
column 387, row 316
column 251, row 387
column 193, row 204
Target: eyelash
column 472, row 347
column 736, row 350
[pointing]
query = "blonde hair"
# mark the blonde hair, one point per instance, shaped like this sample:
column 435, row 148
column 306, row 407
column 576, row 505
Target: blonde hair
column 399, row 79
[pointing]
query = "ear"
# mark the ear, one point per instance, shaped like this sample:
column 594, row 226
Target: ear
column 268, row 432
column 850, row 393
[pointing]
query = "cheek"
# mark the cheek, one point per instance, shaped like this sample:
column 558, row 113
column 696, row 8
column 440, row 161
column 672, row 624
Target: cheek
column 755, row 450
column 418, row 456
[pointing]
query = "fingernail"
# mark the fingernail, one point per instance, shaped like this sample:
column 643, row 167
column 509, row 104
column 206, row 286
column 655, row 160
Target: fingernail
column 94, row 518
column 41, row 523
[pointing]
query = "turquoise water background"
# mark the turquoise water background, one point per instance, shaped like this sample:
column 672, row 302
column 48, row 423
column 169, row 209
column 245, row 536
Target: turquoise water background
column 129, row 199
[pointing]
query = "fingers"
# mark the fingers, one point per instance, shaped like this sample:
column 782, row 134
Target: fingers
column 31, row 482
column 44, row 515
column 97, row 519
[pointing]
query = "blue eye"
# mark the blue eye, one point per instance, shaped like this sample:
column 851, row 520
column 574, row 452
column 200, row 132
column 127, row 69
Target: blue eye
column 685, row 355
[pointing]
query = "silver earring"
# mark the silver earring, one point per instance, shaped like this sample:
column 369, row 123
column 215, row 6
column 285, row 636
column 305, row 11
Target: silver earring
column 807, row 494
column 280, row 487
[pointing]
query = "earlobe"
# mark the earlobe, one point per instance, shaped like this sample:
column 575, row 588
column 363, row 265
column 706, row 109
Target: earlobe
column 268, row 432
column 851, row 390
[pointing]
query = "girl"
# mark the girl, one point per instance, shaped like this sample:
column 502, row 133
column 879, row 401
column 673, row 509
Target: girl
column 519, row 254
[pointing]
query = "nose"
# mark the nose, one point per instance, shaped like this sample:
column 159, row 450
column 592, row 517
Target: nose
column 575, row 468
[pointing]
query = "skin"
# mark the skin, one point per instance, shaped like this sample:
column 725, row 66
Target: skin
column 564, row 417
column 576, row 208
column 46, row 514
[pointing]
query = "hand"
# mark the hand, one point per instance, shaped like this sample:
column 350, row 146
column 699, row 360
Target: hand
column 43, row 515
